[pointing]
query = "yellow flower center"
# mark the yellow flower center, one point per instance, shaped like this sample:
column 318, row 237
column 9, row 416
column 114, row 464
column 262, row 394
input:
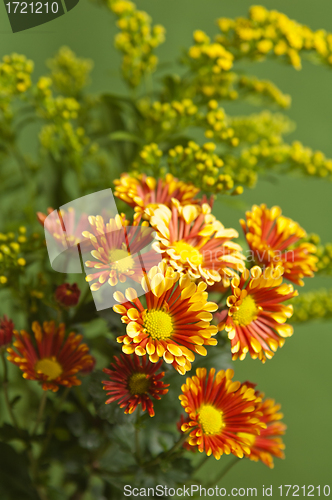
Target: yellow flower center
column 158, row 324
column 121, row 260
column 246, row 313
column 139, row 383
column 211, row 419
column 49, row 367
column 188, row 252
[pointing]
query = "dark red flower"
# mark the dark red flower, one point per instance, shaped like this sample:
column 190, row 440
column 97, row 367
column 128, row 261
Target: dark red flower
column 133, row 381
column 68, row 295
column 6, row 330
column 50, row 356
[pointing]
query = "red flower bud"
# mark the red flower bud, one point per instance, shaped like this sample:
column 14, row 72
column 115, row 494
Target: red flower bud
column 67, row 295
column 6, row 330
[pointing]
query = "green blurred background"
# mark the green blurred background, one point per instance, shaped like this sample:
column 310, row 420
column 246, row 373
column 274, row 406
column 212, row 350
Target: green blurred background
column 300, row 375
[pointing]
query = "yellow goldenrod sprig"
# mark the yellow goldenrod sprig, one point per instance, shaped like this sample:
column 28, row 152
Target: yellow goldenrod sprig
column 273, row 155
column 15, row 75
column 312, row 305
column 201, row 166
column 13, row 250
column 69, row 73
column 253, row 128
column 324, row 254
column 164, row 118
column 269, row 33
column 256, row 88
column 210, row 65
column 137, row 40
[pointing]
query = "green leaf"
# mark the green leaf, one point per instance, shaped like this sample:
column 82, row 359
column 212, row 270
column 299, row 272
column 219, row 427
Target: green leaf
column 9, row 433
column 15, row 482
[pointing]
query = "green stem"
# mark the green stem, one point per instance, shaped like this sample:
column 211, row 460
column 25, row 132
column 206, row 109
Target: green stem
column 86, row 294
column 176, row 445
column 167, row 454
column 137, row 430
column 40, row 412
column 53, row 421
column 223, row 472
column 5, row 390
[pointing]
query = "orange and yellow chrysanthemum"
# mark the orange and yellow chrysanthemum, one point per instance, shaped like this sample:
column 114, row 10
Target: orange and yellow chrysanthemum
column 174, row 324
column 274, row 239
column 116, row 250
column 219, row 411
column 51, row 358
column 133, row 381
column 255, row 316
column 63, row 226
column 142, row 192
column 192, row 241
column 268, row 444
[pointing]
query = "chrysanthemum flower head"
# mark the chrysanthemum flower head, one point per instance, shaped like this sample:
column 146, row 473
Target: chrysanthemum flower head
column 50, row 357
column 6, row 331
column 116, row 250
column 255, row 316
column 219, row 409
column 142, row 192
column 192, row 241
column 67, row 295
column 134, row 380
column 175, row 322
column 274, row 239
column 64, row 226
column 268, row 444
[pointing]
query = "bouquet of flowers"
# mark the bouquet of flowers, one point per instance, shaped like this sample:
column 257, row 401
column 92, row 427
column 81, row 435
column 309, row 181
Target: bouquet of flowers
column 128, row 392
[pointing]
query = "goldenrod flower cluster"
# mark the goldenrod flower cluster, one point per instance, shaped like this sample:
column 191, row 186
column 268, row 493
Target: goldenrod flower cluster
column 60, row 108
column 15, row 75
column 164, row 118
column 15, row 80
column 254, row 87
column 209, row 61
column 137, row 40
column 324, row 254
column 149, row 159
column 61, row 135
column 69, row 73
column 12, row 248
column 67, row 140
column 271, row 33
column 274, row 155
column 264, row 125
column 217, row 124
column 201, row 166
column 312, row 305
